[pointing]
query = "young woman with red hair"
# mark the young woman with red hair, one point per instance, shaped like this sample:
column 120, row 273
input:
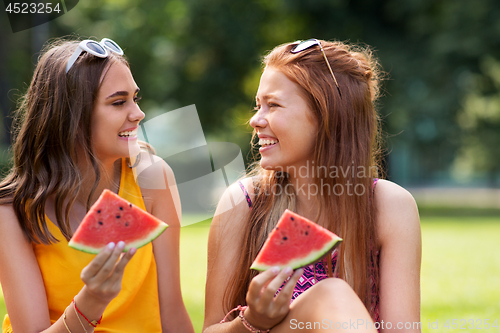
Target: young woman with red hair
column 318, row 133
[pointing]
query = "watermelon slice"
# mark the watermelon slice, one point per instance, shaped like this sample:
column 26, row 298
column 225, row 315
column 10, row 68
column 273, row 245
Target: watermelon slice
column 114, row 219
column 295, row 242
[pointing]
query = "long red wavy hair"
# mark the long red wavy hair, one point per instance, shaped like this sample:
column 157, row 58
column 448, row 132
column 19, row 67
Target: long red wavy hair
column 348, row 137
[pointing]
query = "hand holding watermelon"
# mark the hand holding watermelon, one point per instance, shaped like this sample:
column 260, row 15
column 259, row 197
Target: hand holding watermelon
column 103, row 276
column 294, row 242
column 111, row 227
column 265, row 310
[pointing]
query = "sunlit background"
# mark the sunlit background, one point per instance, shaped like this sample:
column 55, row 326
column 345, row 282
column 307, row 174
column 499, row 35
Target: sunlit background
column 440, row 110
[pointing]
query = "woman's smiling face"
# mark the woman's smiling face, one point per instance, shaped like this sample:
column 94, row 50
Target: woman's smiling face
column 116, row 115
column 284, row 122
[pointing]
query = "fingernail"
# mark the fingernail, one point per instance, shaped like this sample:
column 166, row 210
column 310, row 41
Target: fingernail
column 121, row 244
column 288, row 270
column 133, row 251
column 111, row 245
column 275, row 270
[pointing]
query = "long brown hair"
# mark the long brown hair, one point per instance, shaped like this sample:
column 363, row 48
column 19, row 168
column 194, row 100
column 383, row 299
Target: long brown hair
column 348, row 142
column 52, row 124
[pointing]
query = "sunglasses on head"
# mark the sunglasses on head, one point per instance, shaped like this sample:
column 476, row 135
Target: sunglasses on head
column 304, row 45
column 100, row 50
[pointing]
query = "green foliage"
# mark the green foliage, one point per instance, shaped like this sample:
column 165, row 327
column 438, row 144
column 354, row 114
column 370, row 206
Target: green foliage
column 479, row 119
column 440, row 106
column 446, row 43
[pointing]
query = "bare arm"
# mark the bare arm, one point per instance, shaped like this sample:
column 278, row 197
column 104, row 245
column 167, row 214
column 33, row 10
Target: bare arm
column 400, row 258
column 162, row 200
column 225, row 238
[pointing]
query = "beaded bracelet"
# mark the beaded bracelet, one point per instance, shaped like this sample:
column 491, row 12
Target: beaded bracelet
column 93, row 322
column 247, row 325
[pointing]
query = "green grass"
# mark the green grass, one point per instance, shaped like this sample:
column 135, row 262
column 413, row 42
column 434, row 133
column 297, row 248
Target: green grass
column 460, row 271
column 193, row 256
column 3, row 309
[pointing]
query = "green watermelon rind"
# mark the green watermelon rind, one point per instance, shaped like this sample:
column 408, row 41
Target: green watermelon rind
column 304, row 261
column 136, row 244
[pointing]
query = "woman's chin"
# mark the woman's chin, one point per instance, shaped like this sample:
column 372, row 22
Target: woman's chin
column 133, row 149
column 269, row 165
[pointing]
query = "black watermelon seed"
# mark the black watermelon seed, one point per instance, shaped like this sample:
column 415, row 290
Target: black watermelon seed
column 100, row 223
column 98, row 211
column 126, row 224
column 307, row 233
column 121, row 208
column 285, row 238
column 117, row 216
column 130, row 205
column 291, row 217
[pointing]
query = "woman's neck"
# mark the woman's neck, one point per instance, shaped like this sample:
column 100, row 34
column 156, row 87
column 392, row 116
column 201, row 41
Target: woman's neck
column 307, row 194
column 109, row 179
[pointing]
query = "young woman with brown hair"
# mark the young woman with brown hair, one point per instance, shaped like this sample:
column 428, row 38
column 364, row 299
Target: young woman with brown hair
column 318, row 132
column 75, row 135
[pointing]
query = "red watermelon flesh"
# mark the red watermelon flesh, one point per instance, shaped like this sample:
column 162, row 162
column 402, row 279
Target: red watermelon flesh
column 295, row 242
column 114, row 219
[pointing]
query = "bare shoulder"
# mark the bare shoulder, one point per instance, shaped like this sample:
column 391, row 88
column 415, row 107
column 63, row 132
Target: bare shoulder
column 153, row 172
column 13, row 240
column 159, row 188
column 9, row 223
column 397, row 212
column 226, row 229
column 6, row 212
column 233, row 208
column 387, row 192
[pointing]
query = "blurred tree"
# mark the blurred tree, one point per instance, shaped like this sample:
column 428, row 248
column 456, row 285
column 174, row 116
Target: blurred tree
column 444, row 44
column 479, row 119
column 17, row 58
column 439, row 55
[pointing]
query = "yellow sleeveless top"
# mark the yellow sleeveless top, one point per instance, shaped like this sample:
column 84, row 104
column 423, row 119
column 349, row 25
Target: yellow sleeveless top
column 135, row 309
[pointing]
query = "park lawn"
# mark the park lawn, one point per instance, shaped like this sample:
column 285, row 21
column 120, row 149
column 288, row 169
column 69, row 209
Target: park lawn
column 460, row 272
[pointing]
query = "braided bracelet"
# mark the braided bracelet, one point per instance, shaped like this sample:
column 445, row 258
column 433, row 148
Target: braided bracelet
column 247, row 325
column 77, row 316
column 93, row 322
